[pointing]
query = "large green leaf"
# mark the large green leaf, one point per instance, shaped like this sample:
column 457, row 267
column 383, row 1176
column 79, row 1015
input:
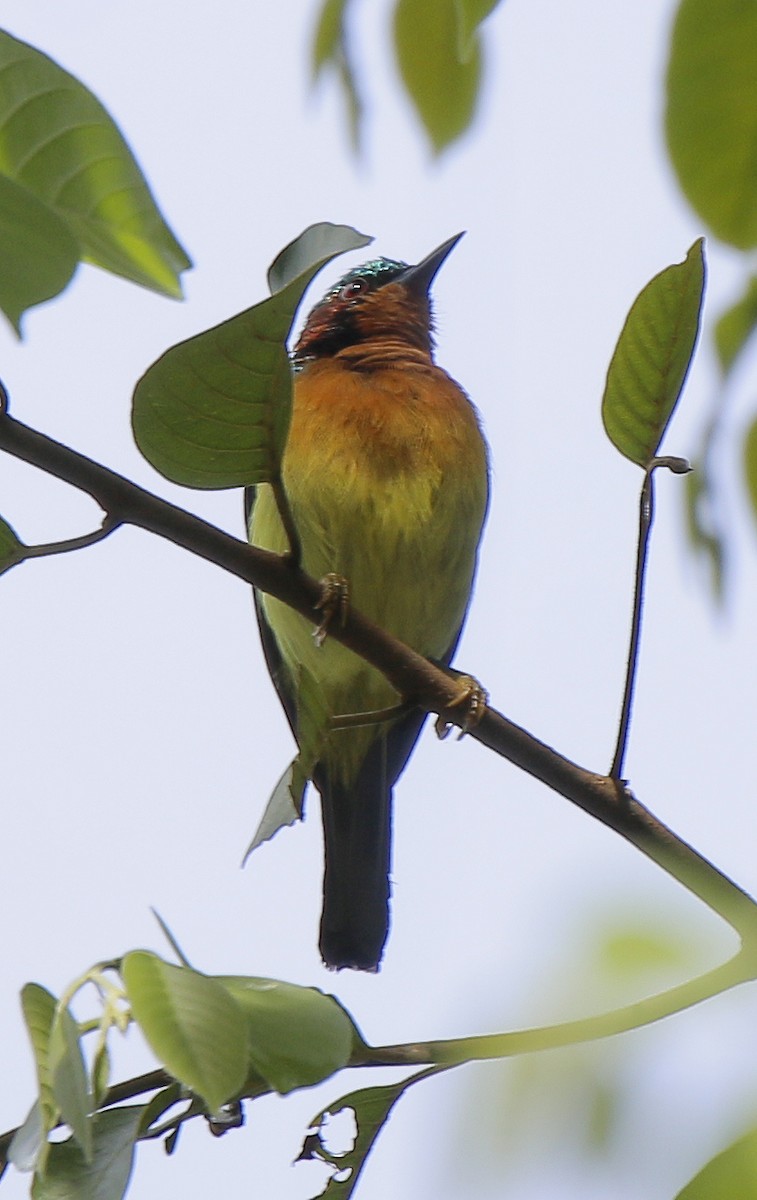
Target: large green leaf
column 213, row 412
column 444, row 87
column 297, row 1036
column 38, row 252
column 69, row 1176
column 711, row 117
column 78, row 188
column 652, row 358
column 191, row 1023
column 730, row 1175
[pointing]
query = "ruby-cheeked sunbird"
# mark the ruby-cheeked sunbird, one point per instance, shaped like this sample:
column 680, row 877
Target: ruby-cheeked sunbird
column 386, row 474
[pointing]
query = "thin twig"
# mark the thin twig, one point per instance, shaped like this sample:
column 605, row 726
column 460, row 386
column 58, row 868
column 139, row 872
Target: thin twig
column 646, row 516
column 679, row 466
column 42, row 550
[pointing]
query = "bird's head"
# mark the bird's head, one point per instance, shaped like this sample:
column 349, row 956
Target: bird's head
column 382, row 300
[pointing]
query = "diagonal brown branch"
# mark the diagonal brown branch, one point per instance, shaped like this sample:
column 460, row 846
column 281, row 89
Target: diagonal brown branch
column 414, row 677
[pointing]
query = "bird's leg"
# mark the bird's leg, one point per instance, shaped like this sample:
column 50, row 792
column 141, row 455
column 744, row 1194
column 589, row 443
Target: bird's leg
column 334, row 602
column 471, row 696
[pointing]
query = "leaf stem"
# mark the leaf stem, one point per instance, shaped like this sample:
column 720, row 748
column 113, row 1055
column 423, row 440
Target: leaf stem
column 646, row 517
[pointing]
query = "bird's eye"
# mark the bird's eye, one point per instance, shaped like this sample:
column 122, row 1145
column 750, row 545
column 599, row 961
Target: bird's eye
column 353, row 289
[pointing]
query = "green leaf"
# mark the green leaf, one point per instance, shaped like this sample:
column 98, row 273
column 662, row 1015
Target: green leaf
column 70, row 1177
column 100, row 1074
column 159, row 1105
column 735, row 326
column 750, row 464
column 287, row 800
column 284, row 807
column 331, row 49
column 372, row 1107
column 310, row 251
column 191, row 1023
column 703, row 526
column 38, row 253
column 11, row 549
column 69, row 1079
column 28, row 1142
column 470, row 14
column 213, row 412
column 62, row 149
column 652, row 358
column 730, row 1175
column 711, row 117
column 443, row 88
column 298, row 1036
column 38, row 1006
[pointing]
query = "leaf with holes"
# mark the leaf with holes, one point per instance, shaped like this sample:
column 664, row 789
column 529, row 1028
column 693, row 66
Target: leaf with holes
column 652, row 358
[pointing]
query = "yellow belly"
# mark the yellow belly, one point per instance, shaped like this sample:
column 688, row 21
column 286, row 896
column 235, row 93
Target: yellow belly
column 386, row 476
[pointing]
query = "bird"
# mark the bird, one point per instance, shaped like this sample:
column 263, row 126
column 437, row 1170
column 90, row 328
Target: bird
column 386, row 474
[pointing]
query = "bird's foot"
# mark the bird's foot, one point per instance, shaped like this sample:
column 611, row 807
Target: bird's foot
column 473, row 698
column 333, row 603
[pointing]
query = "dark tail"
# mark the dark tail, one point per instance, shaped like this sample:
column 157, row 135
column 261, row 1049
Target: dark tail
column 357, row 839
column 357, row 830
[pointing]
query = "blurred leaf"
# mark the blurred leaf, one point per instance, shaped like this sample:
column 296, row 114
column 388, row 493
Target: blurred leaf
column 705, row 534
column 38, row 1006
column 70, row 1177
column 735, row 326
column 37, row 251
column 632, row 951
column 371, row 1107
column 74, row 169
column 297, row 1036
column 711, row 117
column 213, row 412
column 192, row 1025
column 730, row 1175
column 470, row 14
column 69, row 1079
column 11, row 549
column 750, row 464
column 331, row 49
column 652, row 358
column 443, row 89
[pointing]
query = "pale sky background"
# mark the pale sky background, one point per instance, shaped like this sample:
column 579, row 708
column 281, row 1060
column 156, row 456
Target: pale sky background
column 141, row 735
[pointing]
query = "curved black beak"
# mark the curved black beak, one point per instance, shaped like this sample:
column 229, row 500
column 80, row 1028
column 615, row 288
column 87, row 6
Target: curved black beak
column 419, row 278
